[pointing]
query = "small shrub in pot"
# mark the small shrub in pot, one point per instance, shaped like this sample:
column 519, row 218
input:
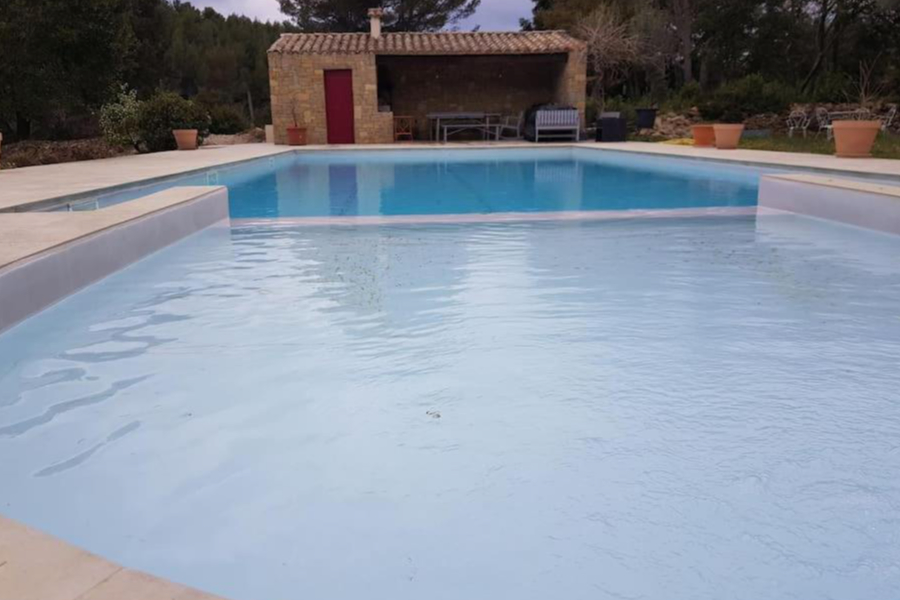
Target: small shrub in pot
column 166, row 112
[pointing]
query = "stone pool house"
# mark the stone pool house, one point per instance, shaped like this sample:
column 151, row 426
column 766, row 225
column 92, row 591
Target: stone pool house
column 348, row 87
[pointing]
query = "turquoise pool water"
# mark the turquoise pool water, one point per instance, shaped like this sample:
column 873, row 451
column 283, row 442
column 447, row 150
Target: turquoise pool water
column 649, row 408
column 323, row 184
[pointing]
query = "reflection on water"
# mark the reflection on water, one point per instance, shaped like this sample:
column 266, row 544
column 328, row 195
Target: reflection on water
column 626, row 409
column 429, row 182
column 334, row 186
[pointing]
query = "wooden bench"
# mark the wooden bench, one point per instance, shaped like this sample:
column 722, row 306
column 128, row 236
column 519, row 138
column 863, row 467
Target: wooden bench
column 558, row 123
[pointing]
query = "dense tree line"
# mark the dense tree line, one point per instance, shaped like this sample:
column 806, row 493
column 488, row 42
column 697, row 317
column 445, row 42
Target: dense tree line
column 821, row 49
column 399, row 15
column 61, row 59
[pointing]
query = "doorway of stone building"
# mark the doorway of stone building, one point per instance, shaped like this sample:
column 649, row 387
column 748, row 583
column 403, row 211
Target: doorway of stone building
column 339, row 106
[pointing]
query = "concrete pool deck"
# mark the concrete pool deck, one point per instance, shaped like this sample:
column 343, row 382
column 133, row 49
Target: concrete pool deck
column 29, row 188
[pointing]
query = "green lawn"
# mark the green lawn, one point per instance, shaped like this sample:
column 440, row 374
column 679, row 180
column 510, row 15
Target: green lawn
column 886, row 146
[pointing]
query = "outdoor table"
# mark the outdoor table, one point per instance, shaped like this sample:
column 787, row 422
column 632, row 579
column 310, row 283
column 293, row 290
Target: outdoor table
column 465, row 117
column 846, row 115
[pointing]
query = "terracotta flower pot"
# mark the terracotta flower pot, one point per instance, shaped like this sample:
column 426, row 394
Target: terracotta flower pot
column 854, row 139
column 704, row 137
column 296, row 136
column 185, row 138
column 728, row 135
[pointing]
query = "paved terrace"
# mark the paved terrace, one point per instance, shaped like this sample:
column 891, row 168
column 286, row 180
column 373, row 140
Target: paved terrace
column 31, row 187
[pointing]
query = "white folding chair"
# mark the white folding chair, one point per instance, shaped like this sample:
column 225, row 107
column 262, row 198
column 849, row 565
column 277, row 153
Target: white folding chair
column 823, row 122
column 888, row 119
column 798, row 120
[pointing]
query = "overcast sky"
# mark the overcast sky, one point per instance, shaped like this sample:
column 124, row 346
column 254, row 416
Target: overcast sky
column 492, row 15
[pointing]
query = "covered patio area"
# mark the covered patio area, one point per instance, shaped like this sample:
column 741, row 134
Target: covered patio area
column 500, row 87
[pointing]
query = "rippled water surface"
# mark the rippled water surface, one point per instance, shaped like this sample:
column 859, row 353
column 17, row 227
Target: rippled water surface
column 657, row 409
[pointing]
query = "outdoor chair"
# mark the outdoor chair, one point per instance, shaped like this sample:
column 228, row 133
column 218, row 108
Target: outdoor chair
column 557, row 123
column 511, row 127
column 823, row 122
column 888, row 119
column 798, row 120
column 403, row 128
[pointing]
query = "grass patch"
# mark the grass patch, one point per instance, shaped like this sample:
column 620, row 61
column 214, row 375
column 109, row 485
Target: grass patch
column 886, row 146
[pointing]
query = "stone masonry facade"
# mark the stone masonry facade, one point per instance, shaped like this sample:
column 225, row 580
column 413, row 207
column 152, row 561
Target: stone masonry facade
column 298, row 87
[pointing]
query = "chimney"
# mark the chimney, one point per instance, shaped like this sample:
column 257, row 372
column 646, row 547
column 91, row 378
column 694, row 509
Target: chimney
column 375, row 15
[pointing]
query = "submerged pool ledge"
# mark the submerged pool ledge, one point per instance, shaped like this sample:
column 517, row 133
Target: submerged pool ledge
column 36, row 566
column 861, row 204
column 44, row 257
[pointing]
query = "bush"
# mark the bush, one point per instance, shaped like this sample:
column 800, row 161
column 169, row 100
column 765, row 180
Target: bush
column 227, row 120
column 684, row 99
column 119, row 119
column 736, row 100
column 164, row 112
column 832, row 87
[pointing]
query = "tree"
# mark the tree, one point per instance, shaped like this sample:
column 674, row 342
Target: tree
column 399, row 15
column 683, row 16
column 57, row 56
column 611, row 48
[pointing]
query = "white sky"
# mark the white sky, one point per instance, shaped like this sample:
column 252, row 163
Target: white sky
column 492, row 15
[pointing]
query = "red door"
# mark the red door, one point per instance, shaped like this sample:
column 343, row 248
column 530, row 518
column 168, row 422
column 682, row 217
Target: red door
column 339, row 106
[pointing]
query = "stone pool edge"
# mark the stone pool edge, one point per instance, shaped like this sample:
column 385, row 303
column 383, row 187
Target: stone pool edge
column 37, row 188
column 38, row 566
column 46, row 257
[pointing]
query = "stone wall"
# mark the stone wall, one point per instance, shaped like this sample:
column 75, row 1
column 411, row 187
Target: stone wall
column 298, row 85
column 571, row 84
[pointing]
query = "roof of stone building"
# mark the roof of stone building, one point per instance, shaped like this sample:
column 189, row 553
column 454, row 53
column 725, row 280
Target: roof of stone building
column 442, row 43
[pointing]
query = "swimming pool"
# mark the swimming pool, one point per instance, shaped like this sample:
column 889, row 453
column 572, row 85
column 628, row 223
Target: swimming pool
column 430, row 182
column 292, row 406
column 647, row 408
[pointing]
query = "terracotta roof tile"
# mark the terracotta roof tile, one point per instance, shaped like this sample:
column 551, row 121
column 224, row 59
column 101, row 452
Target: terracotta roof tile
column 520, row 42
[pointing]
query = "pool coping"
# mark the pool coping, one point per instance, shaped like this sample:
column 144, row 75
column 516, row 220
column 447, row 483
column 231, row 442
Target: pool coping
column 873, row 207
column 38, row 566
column 45, row 257
column 35, row 188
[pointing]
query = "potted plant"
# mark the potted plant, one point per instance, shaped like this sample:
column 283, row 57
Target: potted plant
column 728, row 135
column 295, row 133
column 190, row 123
column 186, row 139
column 646, row 118
column 854, row 139
column 704, row 136
column 729, row 129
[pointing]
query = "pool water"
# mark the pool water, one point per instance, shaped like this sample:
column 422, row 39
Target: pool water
column 645, row 408
column 430, row 182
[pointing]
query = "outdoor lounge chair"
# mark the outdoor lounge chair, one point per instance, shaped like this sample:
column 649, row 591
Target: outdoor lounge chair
column 557, row 123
